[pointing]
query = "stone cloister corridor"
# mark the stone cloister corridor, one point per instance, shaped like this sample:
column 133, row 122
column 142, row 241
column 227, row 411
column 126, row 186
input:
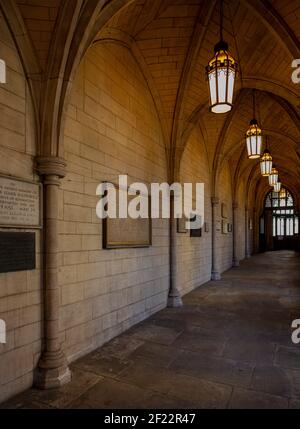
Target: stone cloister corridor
column 114, row 115
column 227, row 347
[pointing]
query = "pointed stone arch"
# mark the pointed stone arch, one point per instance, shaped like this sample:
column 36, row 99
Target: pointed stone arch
column 28, row 59
column 276, row 24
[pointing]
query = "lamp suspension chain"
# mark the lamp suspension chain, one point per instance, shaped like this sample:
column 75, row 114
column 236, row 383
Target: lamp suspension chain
column 221, row 19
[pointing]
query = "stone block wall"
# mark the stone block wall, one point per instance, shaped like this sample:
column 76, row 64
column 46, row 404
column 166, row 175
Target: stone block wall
column 112, row 128
column 194, row 254
column 20, row 292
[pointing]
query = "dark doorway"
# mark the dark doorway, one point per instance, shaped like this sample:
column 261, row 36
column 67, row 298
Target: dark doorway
column 279, row 224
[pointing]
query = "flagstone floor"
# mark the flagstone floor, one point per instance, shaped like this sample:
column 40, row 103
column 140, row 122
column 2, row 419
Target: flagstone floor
column 229, row 346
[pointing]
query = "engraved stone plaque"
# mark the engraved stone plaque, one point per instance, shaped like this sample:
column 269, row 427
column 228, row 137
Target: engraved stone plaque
column 126, row 233
column 17, row 251
column 19, row 203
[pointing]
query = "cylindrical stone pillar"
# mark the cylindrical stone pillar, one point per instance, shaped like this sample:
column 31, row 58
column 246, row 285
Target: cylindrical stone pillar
column 52, row 369
column 255, row 232
column 174, row 298
column 235, row 260
column 215, row 273
column 247, row 250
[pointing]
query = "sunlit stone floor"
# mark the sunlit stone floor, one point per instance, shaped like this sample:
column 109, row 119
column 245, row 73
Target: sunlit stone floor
column 228, row 347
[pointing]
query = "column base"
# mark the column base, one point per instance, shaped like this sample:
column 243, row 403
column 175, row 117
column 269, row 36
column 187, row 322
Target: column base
column 235, row 263
column 174, row 301
column 52, row 378
column 215, row 275
column 248, row 256
column 52, row 372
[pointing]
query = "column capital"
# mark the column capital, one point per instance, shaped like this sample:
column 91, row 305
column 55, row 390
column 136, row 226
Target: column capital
column 51, row 166
column 215, row 201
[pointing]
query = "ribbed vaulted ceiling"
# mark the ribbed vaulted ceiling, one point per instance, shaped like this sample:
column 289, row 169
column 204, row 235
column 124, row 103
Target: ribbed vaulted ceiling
column 173, row 41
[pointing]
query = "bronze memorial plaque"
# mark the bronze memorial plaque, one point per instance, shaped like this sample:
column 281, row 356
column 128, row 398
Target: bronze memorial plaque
column 17, row 251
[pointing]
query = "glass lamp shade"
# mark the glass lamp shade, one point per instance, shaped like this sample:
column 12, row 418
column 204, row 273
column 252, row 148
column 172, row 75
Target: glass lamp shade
column 266, row 163
column 277, row 187
column 273, row 178
column 254, row 140
column 221, row 72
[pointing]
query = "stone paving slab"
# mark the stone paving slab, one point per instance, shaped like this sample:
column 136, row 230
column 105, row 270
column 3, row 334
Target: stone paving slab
column 250, row 399
column 81, row 382
column 229, row 346
column 116, row 394
column 288, row 357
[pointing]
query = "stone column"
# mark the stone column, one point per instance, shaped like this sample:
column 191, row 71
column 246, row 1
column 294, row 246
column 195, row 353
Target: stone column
column 256, row 227
column 174, row 298
column 235, row 260
column 215, row 273
column 52, row 369
column 247, row 251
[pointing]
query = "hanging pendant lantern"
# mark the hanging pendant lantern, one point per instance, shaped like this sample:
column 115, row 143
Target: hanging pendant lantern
column 277, row 187
column 266, row 162
column 254, row 137
column 273, row 178
column 221, row 72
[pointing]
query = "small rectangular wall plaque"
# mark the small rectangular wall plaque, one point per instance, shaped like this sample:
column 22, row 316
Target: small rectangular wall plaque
column 224, row 211
column 17, row 251
column 224, row 227
column 20, row 203
column 197, row 232
column 181, row 225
